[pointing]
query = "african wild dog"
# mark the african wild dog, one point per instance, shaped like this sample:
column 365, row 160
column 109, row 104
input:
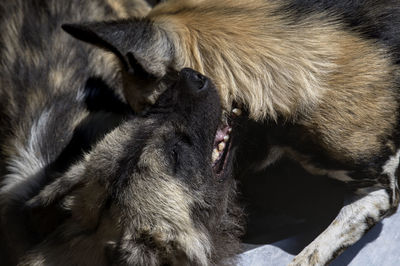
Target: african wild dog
column 149, row 193
column 43, row 75
column 322, row 75
column 86, row 182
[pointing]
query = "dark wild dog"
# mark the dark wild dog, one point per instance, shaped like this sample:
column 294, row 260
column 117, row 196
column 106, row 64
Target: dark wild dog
column 322, row 75
column 149, row 193
column 84, row 181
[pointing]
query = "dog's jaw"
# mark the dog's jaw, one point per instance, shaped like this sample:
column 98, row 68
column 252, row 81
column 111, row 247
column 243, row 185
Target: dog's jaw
column 222, row 143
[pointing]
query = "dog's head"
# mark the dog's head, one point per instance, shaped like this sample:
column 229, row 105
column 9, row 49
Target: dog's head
column 151, row 192
column 152, row 47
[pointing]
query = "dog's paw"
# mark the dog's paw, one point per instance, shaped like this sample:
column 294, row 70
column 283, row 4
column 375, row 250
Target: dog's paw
column 307, row 257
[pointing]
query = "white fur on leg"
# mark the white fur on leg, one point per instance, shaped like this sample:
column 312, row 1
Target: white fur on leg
column 389, row 168
column 347, row 228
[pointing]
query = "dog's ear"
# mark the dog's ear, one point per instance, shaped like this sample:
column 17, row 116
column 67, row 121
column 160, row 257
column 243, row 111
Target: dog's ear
column 102, row 35
column 138, row 44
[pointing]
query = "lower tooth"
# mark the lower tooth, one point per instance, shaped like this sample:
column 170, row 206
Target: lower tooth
column 221, row 146
column 237, row 111
column 215, row 155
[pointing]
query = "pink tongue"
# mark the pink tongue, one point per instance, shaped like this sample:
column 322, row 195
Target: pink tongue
column 221, row 133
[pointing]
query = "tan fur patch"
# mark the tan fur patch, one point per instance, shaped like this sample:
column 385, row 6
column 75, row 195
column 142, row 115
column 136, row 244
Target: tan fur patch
column 358, row 108
column 261, row 59
column 124, row 9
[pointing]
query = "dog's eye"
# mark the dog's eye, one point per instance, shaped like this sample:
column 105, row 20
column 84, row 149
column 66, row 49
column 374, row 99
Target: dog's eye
column 185, row 140
column 179, row 146
column 174, row 155
column 175, row 158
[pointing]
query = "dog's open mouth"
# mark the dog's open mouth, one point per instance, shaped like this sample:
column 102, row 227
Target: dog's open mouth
column 222, row 145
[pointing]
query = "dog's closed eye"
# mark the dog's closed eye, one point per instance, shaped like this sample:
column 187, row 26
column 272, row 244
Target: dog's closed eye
column 179, row 145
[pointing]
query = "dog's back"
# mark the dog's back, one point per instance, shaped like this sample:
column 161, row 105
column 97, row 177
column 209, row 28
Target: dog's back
column 41, row 69
column 43, row 75
column 378, row 20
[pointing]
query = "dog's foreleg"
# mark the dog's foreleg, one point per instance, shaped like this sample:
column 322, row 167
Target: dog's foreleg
column 58, row 188
column 354, row 219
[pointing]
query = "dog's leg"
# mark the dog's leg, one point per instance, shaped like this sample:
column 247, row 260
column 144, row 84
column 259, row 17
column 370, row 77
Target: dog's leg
column 349, row 226
column 369, row 207
column 58, row 188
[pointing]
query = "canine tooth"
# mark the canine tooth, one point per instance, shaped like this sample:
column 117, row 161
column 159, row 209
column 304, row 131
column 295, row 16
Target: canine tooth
column 226, row 138
column 221, row 146
column 215, row 155
column 237, row 111
column 230, row 130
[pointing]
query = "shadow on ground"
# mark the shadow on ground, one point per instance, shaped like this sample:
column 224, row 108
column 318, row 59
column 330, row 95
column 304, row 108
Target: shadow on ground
column 288, row 208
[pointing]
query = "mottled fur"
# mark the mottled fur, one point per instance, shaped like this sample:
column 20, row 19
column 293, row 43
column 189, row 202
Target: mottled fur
column 146, row 194
column 322, row 75
column 42, row 80
column 52, row 96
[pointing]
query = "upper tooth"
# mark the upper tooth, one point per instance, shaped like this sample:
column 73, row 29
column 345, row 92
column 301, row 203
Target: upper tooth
column 230, row 130
column 226, row 138
column 221, row 146
column 237, row 111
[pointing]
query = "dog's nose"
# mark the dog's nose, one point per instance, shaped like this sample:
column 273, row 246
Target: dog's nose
column 192, row 81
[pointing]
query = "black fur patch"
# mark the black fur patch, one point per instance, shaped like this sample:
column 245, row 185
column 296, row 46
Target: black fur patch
column 378, row 20
column 100, row 97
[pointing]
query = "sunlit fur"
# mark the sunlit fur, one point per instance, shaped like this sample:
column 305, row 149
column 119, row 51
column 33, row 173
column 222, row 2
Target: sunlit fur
column 322, row 75
column 266, row 59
